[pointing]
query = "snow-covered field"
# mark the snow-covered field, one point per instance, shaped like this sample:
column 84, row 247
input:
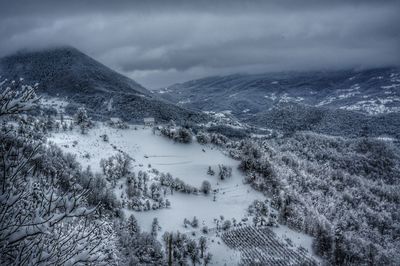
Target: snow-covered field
column 189, row 162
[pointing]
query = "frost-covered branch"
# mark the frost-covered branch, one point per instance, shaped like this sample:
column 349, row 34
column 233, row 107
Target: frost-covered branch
column 41, row 224
column 15, row 98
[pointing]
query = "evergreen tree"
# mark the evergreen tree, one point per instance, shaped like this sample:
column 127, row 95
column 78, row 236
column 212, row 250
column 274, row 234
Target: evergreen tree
column 224, row 172
column 210, row 171
column 195, row 222
column 339, row 253
column 132, row 225
column 155, row 227
column 205, row 187
column 226, row 225
column 203, row 245
column 193, row 251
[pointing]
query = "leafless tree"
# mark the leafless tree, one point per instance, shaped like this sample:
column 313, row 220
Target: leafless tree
column 40, row 223
column 15, row 98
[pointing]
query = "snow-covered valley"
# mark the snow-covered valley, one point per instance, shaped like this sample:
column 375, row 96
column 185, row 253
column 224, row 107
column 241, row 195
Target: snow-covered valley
column 251, row 169
column 189, row 162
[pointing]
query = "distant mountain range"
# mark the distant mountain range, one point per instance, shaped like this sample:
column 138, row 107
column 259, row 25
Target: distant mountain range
column 373, row 91
column 336, row 102
column 345, row 103
column 67, row 73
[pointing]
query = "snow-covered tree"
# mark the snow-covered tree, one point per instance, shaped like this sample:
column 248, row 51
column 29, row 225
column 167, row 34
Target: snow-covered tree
column 16, row 98
column 140, row 249
column 155, row 227
column 203, row 245
column 224, row 172
column 202, row 138
column 184, row 135
column 195, row 222
column 132, row 225
column 167, row 203
column 193, row 251
column 116, row 166
column 180, row 249
column 39, row 223
column 205, row 230
column 42, row 220
column 104, row 137
column 186, row 222
column 82, row 119
column 210, row 171
column 205, row 187
column 178, row 134
column 226, row 225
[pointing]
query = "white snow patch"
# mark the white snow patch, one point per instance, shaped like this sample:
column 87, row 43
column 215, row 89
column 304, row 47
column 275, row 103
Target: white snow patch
column 109, row 105
column 375, row 106
column 271, row 96
column 386, row 139
column 297, row 238
column 285, row 98
column 393, row 86
column 184, row 101
column 162, row 91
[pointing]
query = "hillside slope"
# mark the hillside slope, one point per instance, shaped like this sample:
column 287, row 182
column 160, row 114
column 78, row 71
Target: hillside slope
column 69, row 74
column 370, row 91
column 337, row 102
column 292, row 117
column 66, row 71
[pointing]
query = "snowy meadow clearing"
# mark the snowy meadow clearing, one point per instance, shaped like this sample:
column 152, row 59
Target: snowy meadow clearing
column 229, row 199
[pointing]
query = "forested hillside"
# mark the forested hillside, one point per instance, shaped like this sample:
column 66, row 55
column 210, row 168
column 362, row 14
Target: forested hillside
column 72, row 76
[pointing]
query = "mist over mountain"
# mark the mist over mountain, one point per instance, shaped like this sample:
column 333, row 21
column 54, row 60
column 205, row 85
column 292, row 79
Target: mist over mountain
column 228, row 132
column 67, row 73
column 346, row 102
column 371, row 91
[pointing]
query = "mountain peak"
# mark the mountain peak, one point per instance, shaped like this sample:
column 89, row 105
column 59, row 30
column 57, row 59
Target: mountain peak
column 66, row 71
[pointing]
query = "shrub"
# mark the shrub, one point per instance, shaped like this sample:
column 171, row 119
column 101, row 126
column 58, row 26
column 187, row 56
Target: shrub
column 224, row 172
column 202, row 138
column 226, row 225
column 205, row 187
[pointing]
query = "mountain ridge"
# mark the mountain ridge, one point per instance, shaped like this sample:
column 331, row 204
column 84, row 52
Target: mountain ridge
column 49, row 66
column 67, row 73
column 338, row 89
column 345, row 103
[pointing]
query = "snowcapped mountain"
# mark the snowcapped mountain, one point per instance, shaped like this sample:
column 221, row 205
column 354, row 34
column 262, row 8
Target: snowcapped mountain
column 336, row 102
column 66, row 71
column 69, row 74
column 372, row 91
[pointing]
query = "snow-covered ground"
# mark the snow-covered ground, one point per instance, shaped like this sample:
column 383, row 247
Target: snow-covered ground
column 375, row 106
column 189, row 162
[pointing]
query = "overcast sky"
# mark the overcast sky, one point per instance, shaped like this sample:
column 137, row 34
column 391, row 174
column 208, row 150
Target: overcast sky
column 159, row 43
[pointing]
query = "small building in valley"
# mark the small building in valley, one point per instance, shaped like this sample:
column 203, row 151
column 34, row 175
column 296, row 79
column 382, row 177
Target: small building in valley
column 149, row 121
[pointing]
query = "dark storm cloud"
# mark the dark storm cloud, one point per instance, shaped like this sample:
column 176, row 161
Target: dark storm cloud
column 162, row 42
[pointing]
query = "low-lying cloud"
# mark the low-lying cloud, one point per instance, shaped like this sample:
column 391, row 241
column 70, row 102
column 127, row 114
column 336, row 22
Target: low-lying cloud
column 163, row 42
